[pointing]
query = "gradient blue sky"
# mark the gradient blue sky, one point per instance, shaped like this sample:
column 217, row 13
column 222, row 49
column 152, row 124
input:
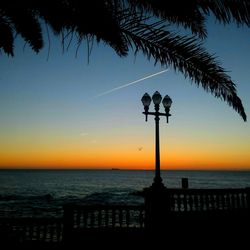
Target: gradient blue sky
column 49, row 116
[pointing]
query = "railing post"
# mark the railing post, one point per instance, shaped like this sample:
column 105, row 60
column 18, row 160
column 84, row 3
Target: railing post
column 68, row 222
column 248, row 199
column 157, row 207
column 184, row 183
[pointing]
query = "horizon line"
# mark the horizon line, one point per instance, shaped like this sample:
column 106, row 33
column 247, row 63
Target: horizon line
column 126, row 169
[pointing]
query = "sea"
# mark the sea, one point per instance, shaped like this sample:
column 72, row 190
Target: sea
column 42, row 193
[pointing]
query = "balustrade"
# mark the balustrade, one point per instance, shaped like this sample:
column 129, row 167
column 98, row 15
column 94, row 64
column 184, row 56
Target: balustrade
column 184, row 201
column 32, row 229
column 104, row 216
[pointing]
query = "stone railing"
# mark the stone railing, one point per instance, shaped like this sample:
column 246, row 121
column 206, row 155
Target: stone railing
column 103, row 216
column 202, row 200
column 31, row 229
column 123, row 218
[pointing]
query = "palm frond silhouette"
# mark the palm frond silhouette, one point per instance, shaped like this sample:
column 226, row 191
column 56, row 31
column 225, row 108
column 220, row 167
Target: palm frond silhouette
column 137, row 25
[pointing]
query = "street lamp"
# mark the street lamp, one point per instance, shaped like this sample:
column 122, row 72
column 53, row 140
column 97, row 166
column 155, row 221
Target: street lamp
column 157, row 98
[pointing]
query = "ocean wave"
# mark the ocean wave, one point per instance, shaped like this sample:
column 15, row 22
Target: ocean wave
column 44, row 193
column 104, row 198
column 46, row 197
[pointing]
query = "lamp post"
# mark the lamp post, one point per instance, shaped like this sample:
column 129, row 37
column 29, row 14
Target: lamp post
column 157, row 98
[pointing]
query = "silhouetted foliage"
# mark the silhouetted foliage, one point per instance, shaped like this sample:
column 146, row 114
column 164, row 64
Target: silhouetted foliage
column 140, row 25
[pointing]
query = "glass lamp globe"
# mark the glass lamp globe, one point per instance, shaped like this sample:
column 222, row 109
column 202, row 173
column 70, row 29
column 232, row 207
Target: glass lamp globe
column 146, row 100
column 167, row 102
column 156, row 98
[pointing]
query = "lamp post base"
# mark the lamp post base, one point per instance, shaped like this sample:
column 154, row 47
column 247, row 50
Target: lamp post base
column 157, row 206
column 158, row 182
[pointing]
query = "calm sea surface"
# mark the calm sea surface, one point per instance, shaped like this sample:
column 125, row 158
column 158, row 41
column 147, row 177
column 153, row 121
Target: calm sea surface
column 42, row 193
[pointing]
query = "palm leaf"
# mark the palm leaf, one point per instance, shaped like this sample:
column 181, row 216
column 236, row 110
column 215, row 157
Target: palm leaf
column 6, row 38
column 227, row 11
column 57, row 13
column 124, row 24
column 95, row 19
column 191, row 13
column 186, row 55
column 182, row 13
column 25, row 23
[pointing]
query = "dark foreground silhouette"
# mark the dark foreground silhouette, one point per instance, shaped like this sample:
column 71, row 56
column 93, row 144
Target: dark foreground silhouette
column 201, row 232
column 170, row 218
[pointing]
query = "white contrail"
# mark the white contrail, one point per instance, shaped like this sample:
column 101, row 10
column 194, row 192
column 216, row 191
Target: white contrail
column 131, row 83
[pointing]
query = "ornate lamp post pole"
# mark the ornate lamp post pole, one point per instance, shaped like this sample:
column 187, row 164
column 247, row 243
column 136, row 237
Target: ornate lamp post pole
column 157, row 98
column 156, row 197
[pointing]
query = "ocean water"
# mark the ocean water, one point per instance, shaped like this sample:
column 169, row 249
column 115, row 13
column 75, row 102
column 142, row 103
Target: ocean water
column 42, row 193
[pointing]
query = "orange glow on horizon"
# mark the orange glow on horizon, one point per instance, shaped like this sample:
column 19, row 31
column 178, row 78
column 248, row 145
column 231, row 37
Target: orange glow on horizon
column 126, row 155
column 105, row 160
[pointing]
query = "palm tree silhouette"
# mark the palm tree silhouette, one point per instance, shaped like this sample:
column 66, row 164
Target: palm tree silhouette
column 138, row 25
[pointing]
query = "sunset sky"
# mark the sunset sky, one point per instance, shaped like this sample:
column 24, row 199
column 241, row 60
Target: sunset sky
column 52, row 115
